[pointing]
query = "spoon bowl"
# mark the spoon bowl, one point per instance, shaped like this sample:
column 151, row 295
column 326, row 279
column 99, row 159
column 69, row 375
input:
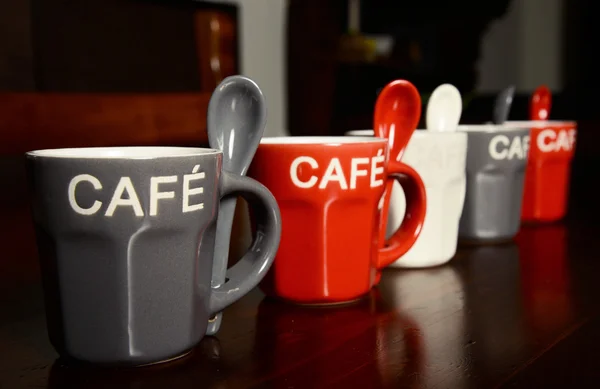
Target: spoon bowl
column 237, row 114
column 503, row 104
column 541, row 102
column 397, row 114
column 444, row 109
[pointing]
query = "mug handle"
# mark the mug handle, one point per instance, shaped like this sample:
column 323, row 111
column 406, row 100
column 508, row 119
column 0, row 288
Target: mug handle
column 242, row 277
column 416, row 204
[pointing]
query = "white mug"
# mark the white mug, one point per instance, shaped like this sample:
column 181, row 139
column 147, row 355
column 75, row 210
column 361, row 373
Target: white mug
column 440, row 160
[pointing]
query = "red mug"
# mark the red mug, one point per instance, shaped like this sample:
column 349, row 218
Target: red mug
column 329, row 191
column 547, row 177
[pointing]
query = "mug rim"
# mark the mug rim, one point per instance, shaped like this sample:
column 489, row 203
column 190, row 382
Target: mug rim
column 122, row 152
column 418, row 133
column 539, row 123
column 489, row 128
column 319, row 140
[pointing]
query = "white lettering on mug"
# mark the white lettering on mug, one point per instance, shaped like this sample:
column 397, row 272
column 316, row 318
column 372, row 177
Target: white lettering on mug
column 294, row 172
column 117, row 200
column 125, row 194
column 155, row 194
column 549, row 141
column 355, row 172
column 187, row 192
column 335, row 173
column 435, row 158
column 376, row 169
column 501, row 147
column 73, row 187
column 526, row 140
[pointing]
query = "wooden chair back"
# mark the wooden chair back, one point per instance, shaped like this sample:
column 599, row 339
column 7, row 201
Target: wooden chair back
column 48, row 120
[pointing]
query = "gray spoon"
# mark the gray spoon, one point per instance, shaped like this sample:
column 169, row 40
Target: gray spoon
column 237, row 114
column 502, row 105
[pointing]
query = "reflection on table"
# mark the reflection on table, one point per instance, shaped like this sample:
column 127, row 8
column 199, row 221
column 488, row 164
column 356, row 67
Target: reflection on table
column 475, row 322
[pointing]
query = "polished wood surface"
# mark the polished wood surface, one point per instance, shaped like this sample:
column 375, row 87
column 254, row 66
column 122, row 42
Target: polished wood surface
column 524, row 314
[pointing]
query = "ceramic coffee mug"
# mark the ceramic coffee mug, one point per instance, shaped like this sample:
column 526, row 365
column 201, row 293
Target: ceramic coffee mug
column 439, row 158
column 548, row 172
column 329, row 190
column 496, row 161
column 126, row 239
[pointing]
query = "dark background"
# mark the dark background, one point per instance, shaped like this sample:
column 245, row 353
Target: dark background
column 148, row 46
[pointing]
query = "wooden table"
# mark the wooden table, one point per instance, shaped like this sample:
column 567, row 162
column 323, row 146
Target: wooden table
column 524, row 314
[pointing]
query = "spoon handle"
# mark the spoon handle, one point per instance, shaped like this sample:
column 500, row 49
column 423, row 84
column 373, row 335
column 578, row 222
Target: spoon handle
column 236, row 120
column 223, row 235
column 387, row 197
column 396, row 116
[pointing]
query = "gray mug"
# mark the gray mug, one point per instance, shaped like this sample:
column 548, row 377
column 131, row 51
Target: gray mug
column 496, row 162
column 126, row 241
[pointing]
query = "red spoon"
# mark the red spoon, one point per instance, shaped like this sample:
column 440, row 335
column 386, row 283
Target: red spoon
column 541, row 102
column 397, row 114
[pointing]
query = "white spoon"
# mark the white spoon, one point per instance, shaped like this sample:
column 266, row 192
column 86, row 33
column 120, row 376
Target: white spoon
column 444, row 109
